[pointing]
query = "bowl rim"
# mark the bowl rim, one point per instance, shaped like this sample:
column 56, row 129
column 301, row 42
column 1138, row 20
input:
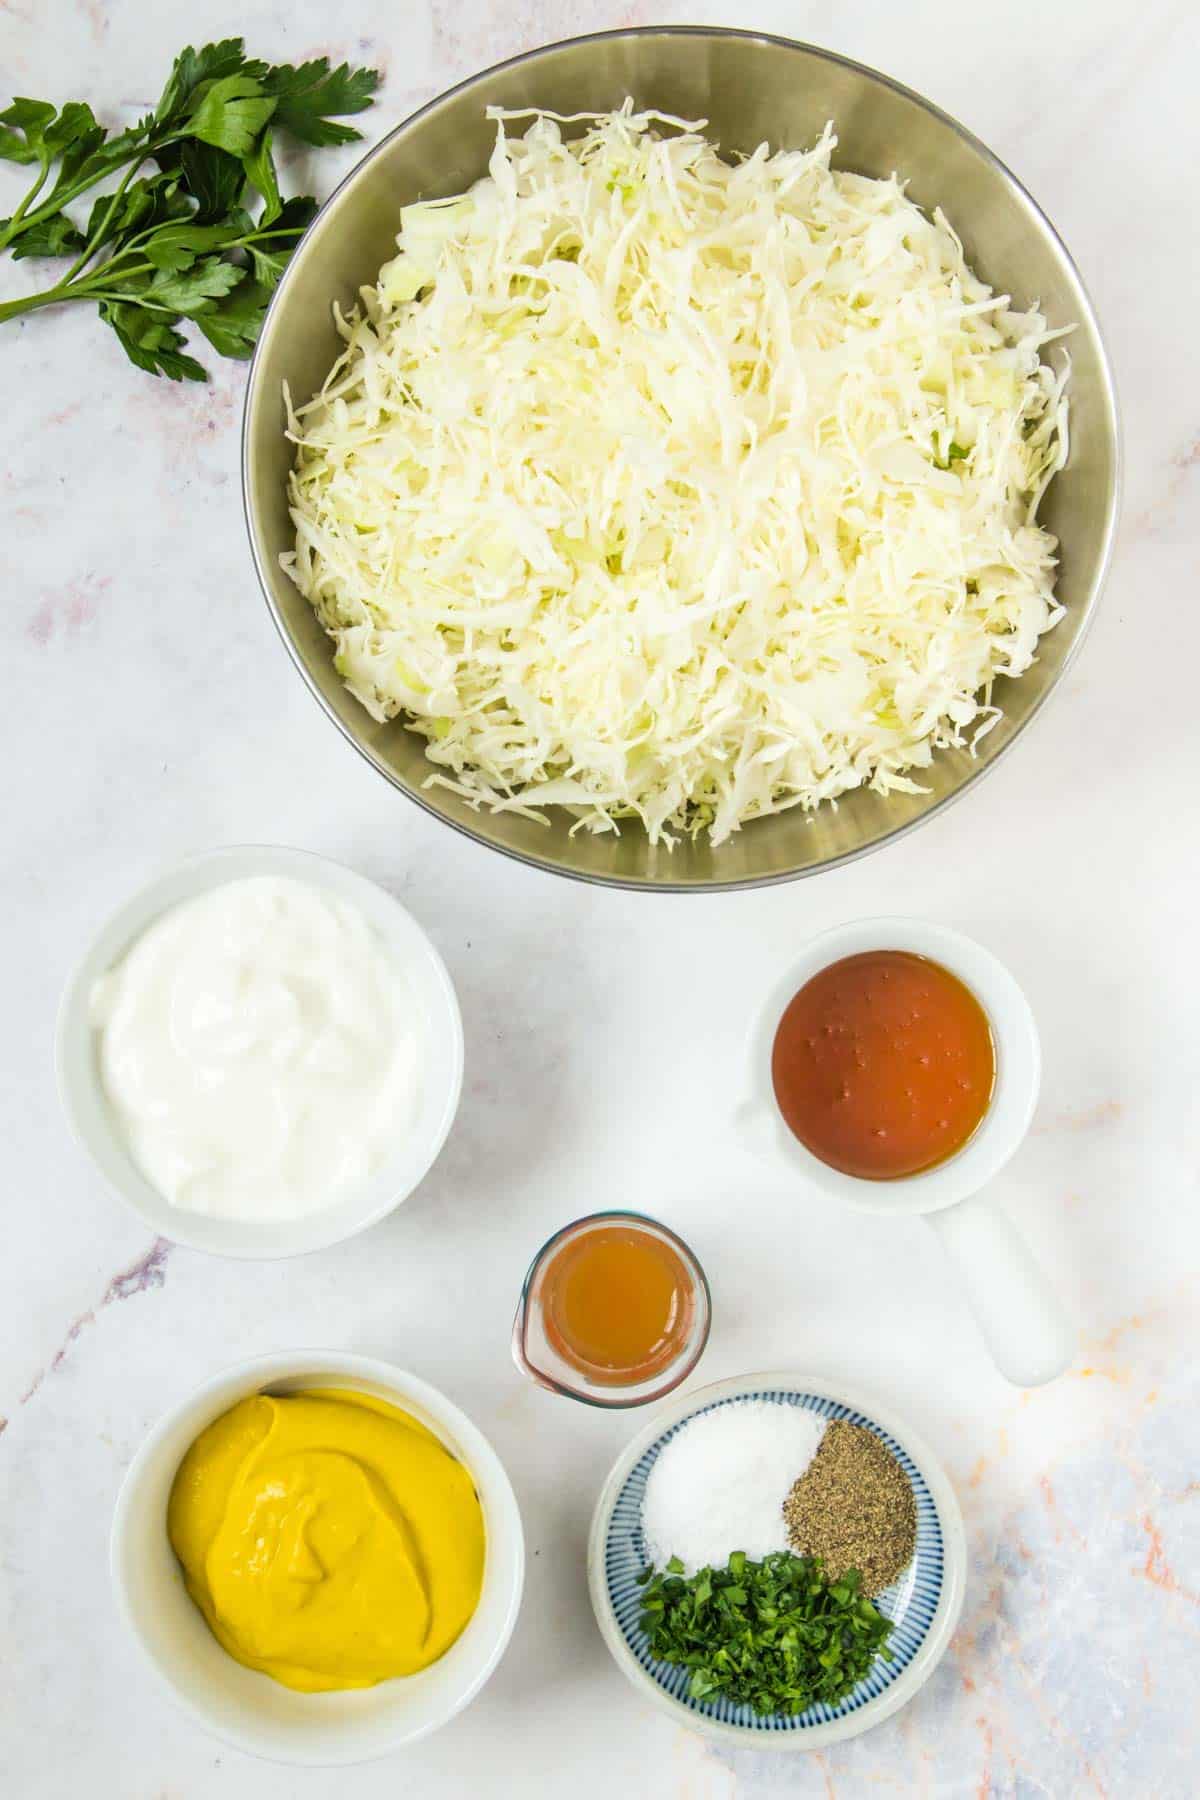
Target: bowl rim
column 639, row 883
column 954, row 1563
column 171, row 885
column 252, row 1375
column 1018, row 1073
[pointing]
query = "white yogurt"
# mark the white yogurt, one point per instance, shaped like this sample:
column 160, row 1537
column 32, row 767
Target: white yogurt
column 259, row 1049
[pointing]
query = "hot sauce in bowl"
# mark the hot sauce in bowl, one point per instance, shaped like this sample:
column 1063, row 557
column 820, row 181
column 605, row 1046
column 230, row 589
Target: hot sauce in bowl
column 883, row 1064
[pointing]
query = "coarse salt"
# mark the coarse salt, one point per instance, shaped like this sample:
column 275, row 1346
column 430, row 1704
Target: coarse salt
column 720, row 1483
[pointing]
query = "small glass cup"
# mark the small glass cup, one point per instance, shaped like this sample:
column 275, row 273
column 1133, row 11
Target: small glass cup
column 536, row 1356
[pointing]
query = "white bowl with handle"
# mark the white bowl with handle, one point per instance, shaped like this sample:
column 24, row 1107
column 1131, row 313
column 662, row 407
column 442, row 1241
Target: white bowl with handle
column 1027, row 1332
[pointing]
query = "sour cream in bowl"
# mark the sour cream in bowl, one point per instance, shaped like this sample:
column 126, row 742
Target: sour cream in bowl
column 262, row 1053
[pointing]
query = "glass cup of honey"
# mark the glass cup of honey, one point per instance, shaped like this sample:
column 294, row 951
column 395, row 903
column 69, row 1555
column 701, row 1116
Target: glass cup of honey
column 896, row 1065
column 614, row 1311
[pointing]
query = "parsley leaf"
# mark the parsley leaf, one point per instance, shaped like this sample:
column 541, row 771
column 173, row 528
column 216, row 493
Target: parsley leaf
column 773, row 1635
column 33, row 131
column 150, row 342
column 309, row 94
column 191, row 291
column 232, row 326
column 211, row 177
column 229, row 113
column 55, row 236
column 154, row 200
column 23, row 130
column 260, row 173
column 181, row 241
column 177, row 246
column 270, row 250
column 191, row 68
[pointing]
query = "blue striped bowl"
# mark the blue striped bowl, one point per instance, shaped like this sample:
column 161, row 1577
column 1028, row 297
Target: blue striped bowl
column 924, row 1604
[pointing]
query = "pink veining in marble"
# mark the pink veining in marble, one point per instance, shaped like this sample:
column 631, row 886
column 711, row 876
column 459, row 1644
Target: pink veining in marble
column 150, row 1271
column 68, row 614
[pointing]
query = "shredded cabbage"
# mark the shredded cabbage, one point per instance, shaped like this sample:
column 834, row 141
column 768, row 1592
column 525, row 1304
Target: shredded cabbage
column 654, row 485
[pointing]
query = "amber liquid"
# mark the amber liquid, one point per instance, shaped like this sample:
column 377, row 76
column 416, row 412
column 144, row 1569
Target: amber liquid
column 617, row 1304
column 884, row 1065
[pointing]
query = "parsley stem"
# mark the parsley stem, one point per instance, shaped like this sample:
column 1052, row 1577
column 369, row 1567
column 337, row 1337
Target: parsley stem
column 14, row 225
column 103, row 277
column 57, row 201
column 92, row 289
column 89, row 250
column 12, row 309
column 99, row 285
column 69, row 290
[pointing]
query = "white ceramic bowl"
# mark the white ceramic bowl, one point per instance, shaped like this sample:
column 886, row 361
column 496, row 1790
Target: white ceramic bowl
column 250, row 1710
column 433, row 994
column 924, row 1604
column 1018, row 1313
column 1018, row 1065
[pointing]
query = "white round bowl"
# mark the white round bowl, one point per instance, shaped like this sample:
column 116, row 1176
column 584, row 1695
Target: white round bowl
column 1018, row 1066
column 96, row 1129
column 924, row 1604
column 249, row 1710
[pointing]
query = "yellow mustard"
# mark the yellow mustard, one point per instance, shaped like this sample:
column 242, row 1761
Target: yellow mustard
column 329, row 1539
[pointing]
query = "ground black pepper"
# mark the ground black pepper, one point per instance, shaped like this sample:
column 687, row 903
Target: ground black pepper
column 853, row 1507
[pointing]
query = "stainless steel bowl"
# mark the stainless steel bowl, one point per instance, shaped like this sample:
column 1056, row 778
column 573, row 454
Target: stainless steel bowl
column 750, row 88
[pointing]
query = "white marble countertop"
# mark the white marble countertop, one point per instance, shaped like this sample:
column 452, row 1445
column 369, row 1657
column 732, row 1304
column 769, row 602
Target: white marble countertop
column 150, row 711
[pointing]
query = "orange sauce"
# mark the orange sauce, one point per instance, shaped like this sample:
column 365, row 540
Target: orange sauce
column 617, row 1303
column 883, row 1064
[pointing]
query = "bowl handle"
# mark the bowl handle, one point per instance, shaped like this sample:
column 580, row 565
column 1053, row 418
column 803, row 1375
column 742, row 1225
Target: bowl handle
column 1023, row 1323
column 759, row 1127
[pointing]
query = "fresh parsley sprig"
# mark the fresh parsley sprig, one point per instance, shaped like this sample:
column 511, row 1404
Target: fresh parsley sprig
column 773, row 1635
column 176, row 238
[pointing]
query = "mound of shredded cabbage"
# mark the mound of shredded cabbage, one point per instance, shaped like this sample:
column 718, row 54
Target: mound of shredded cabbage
column 653, row 485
